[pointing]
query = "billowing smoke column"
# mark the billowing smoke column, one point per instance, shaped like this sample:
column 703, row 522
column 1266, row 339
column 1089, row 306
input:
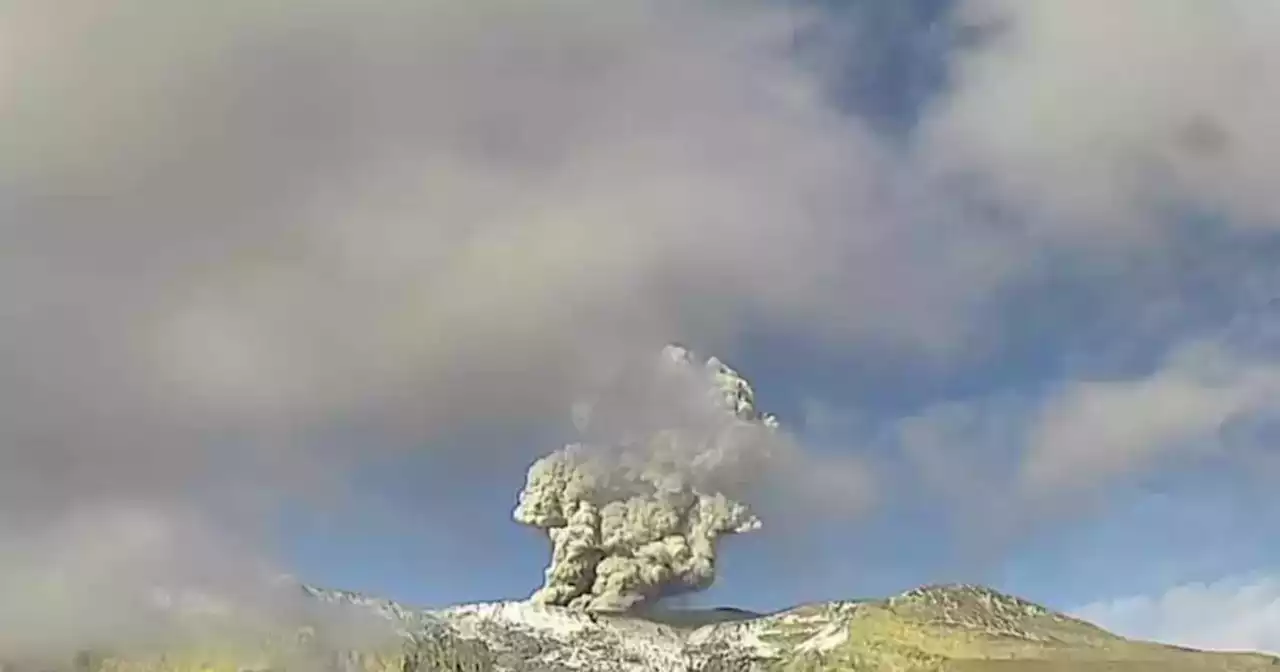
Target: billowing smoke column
column 635, row 509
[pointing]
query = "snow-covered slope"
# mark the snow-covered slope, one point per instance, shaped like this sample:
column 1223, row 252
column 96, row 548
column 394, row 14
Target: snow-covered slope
column 930, row 629
column 523, row 636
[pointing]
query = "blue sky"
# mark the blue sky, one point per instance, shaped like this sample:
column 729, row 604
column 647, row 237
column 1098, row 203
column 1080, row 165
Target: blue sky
column 320, row 283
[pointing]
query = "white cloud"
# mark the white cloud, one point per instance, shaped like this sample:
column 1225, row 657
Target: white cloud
column 1004, row 461
column 1106, row 113
column 1090, row 432
column 1231, row 614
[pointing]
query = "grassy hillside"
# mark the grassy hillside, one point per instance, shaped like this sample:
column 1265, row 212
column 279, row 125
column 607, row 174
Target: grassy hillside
column 932, row 629
column 971, row 629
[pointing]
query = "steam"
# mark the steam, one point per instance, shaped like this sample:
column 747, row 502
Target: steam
column 634, row 512
column 132, row 581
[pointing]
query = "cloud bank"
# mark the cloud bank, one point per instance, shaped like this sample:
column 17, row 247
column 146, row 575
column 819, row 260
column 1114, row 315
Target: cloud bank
column 1237, row 613
column 1099, row 120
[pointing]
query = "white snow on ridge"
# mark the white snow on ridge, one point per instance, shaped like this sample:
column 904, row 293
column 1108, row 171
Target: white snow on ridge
column 602, row 642
column 829, row 637
column 557, row 621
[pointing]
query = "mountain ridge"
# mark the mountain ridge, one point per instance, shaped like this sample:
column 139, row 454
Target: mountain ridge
column 932, row 627
column 936, row 628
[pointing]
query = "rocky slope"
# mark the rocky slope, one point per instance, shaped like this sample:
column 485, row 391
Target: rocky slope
column 952, row 628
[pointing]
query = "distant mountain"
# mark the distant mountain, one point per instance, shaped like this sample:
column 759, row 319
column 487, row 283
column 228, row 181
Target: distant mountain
column 954, row 628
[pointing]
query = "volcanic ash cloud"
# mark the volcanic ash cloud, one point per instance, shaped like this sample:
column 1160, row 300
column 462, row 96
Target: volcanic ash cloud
column 635, row 509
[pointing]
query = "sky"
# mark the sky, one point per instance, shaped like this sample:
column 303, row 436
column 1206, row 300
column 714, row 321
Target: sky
column 304, row 287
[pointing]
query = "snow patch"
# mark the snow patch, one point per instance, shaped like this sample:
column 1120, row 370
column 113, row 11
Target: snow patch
column 827, row 638
column 547, row 620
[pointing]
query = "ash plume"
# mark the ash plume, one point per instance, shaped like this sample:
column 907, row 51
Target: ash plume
column 283, row 224
column 635, row 510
